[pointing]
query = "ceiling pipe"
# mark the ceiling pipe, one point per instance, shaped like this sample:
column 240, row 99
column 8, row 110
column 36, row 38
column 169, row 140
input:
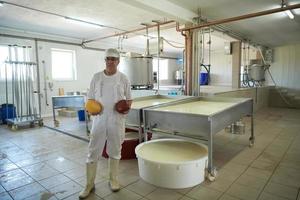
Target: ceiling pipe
column 186, row 32
column 51, row 41
column 242, row 17
column 66, row 43
column 59, row 15
column 127, row 32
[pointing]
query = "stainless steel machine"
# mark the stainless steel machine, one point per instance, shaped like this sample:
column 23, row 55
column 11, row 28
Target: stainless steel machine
column 139, row 71
column 257, row 70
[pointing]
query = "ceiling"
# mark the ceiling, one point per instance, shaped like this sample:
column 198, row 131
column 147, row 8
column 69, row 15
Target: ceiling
column 272, row 30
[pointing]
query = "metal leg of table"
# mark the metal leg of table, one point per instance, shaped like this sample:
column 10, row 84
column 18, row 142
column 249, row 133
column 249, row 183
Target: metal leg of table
column 140, row 133
column 252, row 138
column 212, row 172
column 145, row 129
column 87, row 123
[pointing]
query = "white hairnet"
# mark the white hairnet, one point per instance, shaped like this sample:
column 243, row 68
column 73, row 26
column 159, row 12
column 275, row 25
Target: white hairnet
column 112, row 53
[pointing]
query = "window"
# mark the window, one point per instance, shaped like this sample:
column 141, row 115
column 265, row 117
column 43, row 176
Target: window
column 163, row 68
column 63, row 65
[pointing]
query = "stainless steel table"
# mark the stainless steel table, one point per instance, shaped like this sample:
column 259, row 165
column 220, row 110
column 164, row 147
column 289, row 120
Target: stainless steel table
column 198, row 118
column 134, row 119
column 68, row 101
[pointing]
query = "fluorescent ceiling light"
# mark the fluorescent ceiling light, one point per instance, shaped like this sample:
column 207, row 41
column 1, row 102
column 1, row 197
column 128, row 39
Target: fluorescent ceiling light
column 82, row 22
column 1, row 4
column 289, row 13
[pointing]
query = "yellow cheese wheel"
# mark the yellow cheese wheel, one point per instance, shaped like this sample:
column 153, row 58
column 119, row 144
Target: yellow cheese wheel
column 93, row 107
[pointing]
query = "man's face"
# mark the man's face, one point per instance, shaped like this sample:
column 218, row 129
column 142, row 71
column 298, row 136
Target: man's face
column 111, row 62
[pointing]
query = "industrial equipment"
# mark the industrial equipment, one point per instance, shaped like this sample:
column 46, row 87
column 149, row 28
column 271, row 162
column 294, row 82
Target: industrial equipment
column 22, row 87
column 139, row 71
column 134, row 119
column 198, row 118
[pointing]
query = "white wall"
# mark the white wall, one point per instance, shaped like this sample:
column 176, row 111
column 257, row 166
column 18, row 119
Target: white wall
column 88, row 62
column 221, row 68
column 286, row 67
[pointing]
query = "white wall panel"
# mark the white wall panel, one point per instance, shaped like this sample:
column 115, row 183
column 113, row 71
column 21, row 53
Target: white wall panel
column 286, row 67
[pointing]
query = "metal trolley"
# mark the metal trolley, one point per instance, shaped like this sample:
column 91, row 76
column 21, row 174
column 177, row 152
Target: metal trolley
column 22, row 88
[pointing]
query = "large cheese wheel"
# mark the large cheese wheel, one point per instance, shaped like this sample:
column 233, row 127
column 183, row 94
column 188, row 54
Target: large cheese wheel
column 93, row 107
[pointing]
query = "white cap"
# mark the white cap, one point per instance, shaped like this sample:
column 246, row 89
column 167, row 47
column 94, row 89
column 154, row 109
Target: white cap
column 112, row 53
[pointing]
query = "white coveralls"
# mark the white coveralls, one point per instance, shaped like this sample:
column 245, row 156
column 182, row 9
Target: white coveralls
column 109, row 125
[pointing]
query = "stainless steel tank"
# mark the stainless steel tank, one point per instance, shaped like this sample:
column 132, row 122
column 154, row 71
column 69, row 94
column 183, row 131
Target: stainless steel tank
column 138, row 70
column 257, row 70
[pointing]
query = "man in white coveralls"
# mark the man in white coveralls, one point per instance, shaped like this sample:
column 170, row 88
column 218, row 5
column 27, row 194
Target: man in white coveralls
column 107, row 87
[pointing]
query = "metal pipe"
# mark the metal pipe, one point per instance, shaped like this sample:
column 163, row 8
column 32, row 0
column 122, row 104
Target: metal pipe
column 66, row 43
column 16, row 83
column 51, row 41
column 27, row 84
column 12, row 79
column 45, row 83
column 6, row 86
column 147, row 35
column 189, row 61
column 242, row 17
column 59, row 15
column 89, row 48
column 38, row 77
column 158, row 53
column 127, row 32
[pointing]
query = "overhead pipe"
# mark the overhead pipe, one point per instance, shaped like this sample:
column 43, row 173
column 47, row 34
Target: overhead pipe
column 238, row 18
column 127, row 32
column 51, row 41
column 188, row 66
column 186, row 32
column 59, row 15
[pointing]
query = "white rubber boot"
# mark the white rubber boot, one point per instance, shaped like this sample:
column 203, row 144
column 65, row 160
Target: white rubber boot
column 91, row 169
column 113, row 174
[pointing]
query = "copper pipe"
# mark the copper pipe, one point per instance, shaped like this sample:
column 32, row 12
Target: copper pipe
column 127, row 32
column 188, row 62
column 188, row 53
column 247, row 16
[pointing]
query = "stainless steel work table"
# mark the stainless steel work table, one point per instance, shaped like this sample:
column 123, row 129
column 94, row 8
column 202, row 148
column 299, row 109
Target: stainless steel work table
column 198, row 118
column 134, row 119
column 68, row 101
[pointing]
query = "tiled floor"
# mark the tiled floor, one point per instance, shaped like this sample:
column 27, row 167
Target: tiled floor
column 43, row 164
column 69, row 125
